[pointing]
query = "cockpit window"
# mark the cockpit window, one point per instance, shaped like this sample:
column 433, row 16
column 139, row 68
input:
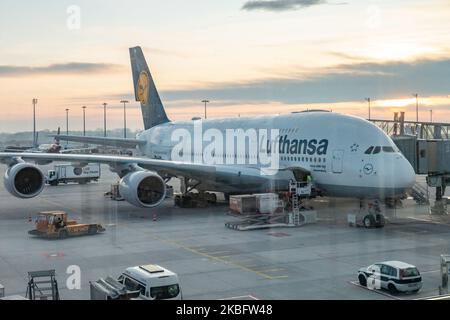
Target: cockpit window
column 378, row 149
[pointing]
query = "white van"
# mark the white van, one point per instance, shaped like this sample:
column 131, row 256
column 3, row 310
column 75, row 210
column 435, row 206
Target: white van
column 154, row 282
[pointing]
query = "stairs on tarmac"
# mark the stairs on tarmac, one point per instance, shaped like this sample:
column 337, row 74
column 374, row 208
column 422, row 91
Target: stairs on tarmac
column 42, row 285
column 420, row 194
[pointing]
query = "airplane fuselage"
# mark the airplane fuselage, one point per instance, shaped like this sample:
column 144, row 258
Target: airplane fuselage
column 332, row 147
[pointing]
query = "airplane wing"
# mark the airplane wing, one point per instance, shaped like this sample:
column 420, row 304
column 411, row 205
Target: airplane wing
column 172, row 168
column 163, row 167
column 114, row 142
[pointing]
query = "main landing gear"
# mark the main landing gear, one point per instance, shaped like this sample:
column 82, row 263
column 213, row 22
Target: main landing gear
column 195, row 199
column 189, row 199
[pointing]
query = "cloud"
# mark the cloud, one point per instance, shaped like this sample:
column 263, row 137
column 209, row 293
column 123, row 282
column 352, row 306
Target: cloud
column 280, row 5
column 345, row 82
column 337, row 84
column 59, row 68
column 346, row 56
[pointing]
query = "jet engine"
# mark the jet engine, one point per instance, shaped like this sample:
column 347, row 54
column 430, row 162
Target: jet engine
column 24, row 180
column 143, row 188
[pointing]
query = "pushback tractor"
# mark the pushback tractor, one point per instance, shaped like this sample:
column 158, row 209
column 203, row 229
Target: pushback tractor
column 54, row 224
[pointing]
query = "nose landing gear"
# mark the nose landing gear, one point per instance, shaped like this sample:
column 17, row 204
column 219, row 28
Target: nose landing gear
column 373, row 216
column 369, row 216
column 374, row 221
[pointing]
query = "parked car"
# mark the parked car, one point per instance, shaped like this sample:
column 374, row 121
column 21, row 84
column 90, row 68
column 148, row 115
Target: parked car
column 395, row 276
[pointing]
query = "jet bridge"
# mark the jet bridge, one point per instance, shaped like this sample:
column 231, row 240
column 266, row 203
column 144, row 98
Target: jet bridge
column 427, row 147
column 422, row 129
column 429, row 157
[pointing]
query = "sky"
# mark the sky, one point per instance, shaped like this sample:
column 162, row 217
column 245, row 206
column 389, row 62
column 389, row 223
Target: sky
column 247, row 57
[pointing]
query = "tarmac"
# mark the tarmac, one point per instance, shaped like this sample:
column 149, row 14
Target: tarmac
column 316, row 261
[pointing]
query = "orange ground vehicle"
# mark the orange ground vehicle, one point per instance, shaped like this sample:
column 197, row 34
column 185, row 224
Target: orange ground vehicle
column 54, row 224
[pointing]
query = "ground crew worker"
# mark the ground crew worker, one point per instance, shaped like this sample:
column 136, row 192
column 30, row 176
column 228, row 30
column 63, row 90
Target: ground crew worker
column 309, row 179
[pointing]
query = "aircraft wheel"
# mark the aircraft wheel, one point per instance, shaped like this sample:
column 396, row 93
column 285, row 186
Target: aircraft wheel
column 369, row 221
column 212, row 198
column 177, row 201
column 380, row 221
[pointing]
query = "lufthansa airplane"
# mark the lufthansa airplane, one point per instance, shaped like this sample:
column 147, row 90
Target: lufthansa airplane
column 346, row 156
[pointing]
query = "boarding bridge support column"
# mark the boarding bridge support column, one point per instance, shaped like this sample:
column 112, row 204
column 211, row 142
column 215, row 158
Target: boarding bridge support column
column 440, row 204
column 445, row 271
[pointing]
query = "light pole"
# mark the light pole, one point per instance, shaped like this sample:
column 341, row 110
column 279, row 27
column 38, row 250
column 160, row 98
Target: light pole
column 104, row 118
column 67, row 122
column 34, row 101
column 417, row 106
column 67, row 125
column 205, row 102
column 431, row 115
column 84, row 120
column 368, row 100
column 124, row 117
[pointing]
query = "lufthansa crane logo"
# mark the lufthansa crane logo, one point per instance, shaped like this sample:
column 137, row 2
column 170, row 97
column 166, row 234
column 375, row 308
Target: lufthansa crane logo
column 368, row 168
column 142, row 87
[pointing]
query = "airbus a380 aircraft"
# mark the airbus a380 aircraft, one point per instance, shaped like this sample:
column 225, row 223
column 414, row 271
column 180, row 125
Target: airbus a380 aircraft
column 345, row 155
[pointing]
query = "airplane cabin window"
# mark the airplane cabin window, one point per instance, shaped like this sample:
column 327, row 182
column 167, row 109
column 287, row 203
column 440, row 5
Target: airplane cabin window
column 376, row 150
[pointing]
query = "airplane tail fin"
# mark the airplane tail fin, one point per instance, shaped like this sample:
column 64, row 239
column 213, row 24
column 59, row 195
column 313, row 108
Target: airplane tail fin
column 56, row 140
column 145, row 90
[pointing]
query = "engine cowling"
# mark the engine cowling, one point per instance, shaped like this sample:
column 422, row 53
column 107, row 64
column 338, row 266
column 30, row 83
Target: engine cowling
column 143, row 189
column 24, row 180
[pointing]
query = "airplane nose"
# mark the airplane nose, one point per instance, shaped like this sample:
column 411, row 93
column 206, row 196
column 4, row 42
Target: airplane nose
column 406, row 176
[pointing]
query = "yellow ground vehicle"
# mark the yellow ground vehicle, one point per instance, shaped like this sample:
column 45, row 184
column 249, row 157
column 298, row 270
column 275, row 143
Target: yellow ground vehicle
column 54, row 224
